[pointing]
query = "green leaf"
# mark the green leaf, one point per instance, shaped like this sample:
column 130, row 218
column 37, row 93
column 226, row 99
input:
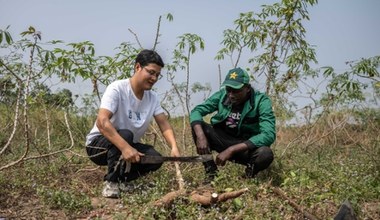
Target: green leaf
column 169, row 17
column 31, row 29
column 228, row 189
column 46, row 56
column 8, row 37
column 238, row 204
column 377, row 85
column 328, row 71
column 293, row 174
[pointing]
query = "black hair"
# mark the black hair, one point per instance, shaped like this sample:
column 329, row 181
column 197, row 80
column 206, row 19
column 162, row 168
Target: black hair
column 145, row 57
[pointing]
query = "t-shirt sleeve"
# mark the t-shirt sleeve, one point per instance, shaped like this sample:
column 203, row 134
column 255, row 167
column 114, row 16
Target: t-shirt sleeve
column 110, row 99
column 158, row 108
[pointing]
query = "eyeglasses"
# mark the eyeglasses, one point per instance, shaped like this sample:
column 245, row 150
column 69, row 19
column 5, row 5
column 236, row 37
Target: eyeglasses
column 153, row 73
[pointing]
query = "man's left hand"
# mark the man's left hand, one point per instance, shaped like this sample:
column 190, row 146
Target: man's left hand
column 223, row 156
column 175, row 152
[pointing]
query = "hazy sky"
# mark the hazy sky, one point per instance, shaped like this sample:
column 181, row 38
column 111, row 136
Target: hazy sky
column 341, row 30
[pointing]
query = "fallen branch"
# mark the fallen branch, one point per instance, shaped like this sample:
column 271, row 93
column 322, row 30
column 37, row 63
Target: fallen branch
column 25, row 158
column 300, row 209
column 168, row 199
column 181, row 182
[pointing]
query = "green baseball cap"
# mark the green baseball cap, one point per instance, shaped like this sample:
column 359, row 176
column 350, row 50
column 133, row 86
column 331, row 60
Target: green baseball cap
column 236, row 78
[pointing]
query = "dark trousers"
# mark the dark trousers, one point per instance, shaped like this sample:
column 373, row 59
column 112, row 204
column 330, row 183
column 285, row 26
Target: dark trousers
column 102, row 152
column 256, row 159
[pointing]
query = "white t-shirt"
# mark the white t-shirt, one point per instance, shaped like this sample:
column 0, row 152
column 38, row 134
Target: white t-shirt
column 128, row 111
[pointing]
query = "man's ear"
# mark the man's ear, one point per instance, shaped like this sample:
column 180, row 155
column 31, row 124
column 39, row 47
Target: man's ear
column 138, row 67
column 248, row 87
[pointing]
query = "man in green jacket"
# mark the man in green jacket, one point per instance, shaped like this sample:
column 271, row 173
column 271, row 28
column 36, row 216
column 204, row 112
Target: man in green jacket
column 241, row 130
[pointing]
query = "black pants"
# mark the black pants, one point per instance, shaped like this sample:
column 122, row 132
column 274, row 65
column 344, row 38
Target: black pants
column 102, row 152
column 256, row 159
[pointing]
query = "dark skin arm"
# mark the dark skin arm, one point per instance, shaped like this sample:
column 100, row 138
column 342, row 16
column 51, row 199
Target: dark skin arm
column 201, row 140
column 222, row 157
column 225, row 155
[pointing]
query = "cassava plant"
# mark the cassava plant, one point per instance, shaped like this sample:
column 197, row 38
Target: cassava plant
column 277, row 46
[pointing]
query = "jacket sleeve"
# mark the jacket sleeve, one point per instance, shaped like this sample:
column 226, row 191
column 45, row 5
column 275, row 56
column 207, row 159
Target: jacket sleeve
column 267, row 124
column 209, row 106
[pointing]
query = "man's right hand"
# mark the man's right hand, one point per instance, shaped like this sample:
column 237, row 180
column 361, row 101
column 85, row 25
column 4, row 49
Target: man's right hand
column 202, row 145
column 105, row 126
column 130, row 154
column 201, row 140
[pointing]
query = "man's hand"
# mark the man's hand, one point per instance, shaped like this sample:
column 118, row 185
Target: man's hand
column 105, row 126
column 175, row 152
column 201, row 140
column 223, row 156
column 130, row 154
column 202, row 145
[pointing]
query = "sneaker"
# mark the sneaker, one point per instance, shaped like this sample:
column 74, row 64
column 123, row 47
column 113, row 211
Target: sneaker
column 211, row 171
column 111, row 190
column 127, row 187
column 250, row 171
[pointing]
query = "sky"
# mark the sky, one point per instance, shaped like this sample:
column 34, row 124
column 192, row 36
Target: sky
column 340, row 30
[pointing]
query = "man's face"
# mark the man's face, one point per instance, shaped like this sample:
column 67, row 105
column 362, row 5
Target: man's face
column 237, row 96
column 148, row 75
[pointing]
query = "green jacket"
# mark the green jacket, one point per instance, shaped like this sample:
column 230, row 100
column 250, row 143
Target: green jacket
column 257, row 123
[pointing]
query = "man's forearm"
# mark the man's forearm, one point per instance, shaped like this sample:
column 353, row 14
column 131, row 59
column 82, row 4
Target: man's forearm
column 169, row 137
column 198, row 130
column 108, row 131
column 238, row 148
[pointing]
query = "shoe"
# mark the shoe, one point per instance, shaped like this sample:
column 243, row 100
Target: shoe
column 250, row 171
column 127, row 187
column 111, row 190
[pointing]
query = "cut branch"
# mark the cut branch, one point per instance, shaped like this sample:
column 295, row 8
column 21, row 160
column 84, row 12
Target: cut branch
column 168, row 199
column 300, row 209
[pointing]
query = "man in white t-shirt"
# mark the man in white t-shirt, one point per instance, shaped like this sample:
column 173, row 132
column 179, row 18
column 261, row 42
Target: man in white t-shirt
column 126, row 109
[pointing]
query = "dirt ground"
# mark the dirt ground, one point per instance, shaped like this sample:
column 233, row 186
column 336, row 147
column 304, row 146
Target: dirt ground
column 26, row 204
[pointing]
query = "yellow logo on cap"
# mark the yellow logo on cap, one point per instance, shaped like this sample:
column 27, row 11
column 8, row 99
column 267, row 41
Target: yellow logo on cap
column 233, row 75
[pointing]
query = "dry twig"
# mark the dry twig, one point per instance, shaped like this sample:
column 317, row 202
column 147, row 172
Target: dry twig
column 294, row 204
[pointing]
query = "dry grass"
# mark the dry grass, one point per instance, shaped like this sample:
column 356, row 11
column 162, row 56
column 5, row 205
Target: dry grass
column 317, row 167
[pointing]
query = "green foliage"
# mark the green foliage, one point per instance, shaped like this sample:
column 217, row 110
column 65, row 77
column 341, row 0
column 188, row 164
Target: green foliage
column 60, row 199
column 80, row 60
column 4, row 34
column 317, row 166
column 8, row 93
column 350, row 86
column 188, row 44
column 275, row 40
column 169, row 16
column 42, row 94
column 326, row 175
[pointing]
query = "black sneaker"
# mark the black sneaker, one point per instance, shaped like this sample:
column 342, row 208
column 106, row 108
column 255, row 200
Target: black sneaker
column 250, row 171
column 211, row 171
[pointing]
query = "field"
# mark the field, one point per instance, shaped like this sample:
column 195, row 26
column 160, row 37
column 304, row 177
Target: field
column 313, row 173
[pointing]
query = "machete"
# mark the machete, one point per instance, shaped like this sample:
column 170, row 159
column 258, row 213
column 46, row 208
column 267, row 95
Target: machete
column 149, row 159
